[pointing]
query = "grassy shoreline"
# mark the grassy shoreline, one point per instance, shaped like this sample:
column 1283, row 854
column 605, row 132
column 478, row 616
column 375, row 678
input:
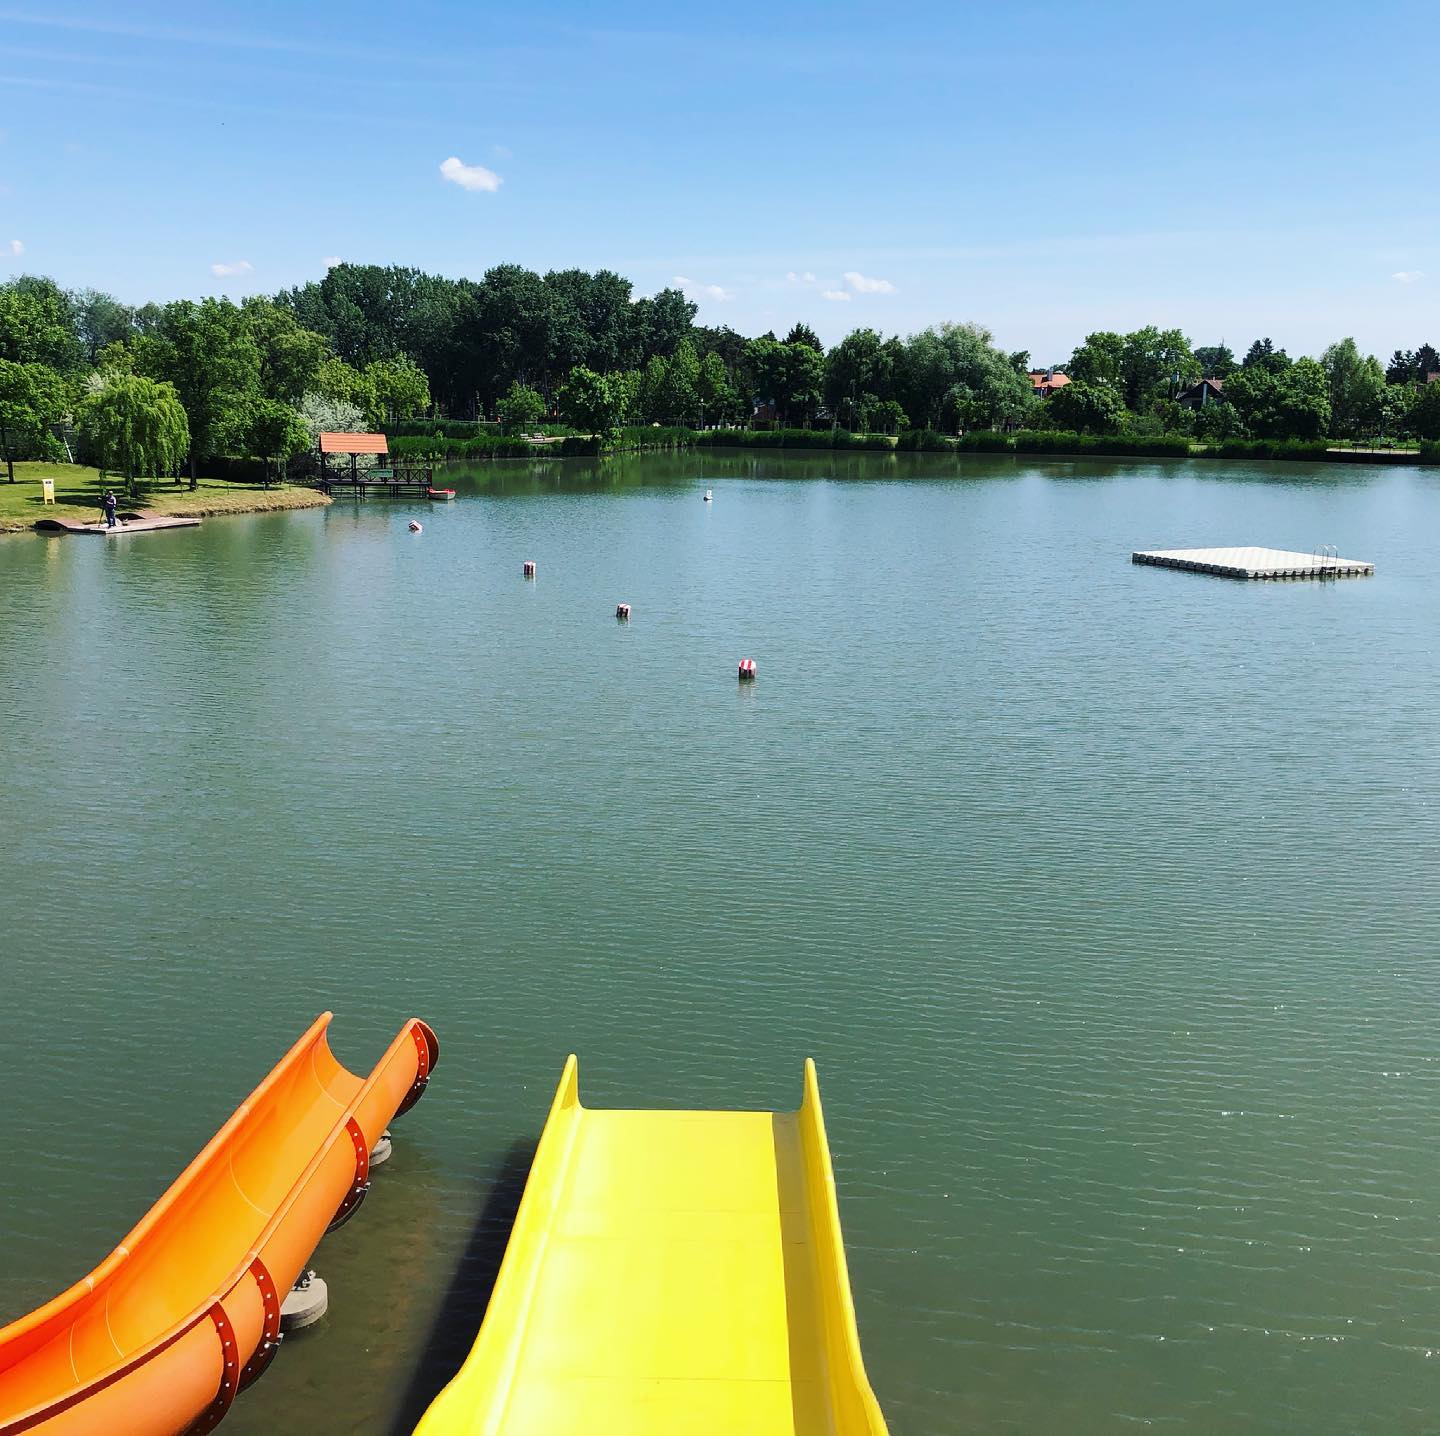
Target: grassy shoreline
column 78, row 489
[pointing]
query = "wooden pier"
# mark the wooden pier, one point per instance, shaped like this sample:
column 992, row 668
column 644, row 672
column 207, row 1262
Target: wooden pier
column 125, row 524
column 393, row 483
column 1256, row 562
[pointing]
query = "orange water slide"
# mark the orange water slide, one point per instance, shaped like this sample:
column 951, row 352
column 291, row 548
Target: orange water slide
column 185, row 1312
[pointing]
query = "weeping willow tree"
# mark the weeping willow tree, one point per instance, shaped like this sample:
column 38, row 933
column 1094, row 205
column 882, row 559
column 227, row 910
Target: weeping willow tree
column 135, row 426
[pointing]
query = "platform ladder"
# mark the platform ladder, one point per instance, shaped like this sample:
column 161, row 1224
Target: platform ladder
column 1327, row 561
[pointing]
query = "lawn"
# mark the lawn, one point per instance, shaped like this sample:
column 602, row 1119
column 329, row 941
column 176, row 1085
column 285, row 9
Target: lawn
column 78, row 489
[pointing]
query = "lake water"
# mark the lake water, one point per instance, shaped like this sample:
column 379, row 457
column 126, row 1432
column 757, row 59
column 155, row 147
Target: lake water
column 1104, row 897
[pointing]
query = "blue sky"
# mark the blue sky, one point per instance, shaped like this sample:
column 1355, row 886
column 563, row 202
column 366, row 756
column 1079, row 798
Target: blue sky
column 1233, row 169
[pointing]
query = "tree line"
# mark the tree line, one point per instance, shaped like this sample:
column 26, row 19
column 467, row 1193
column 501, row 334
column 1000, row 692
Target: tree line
column 149, row 388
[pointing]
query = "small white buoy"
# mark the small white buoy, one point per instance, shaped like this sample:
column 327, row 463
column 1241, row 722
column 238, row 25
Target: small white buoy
column 414, row 526
column 305, row 1304
column 622, row 611
column 707, row 496
column 529, row 568
column 382, row 1149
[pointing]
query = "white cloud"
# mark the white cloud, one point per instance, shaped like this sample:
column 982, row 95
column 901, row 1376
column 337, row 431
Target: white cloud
column 226, row 271
column 503, row 152
column 838, row 295
column 806, row 278
column 16, row 248
column 706, row 291
column 1408, row 276
column 471, row 177
column 331, row 260
column 861, row 285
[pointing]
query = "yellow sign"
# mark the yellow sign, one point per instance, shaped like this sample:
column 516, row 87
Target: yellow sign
column 47, row 491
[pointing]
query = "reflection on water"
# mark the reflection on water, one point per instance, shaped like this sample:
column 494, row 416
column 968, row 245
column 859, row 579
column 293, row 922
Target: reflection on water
column 1101, row 895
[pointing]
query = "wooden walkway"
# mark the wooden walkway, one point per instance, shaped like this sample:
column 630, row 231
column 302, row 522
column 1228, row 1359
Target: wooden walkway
column 363, row 488
column 1255, row 562
column 135, row 524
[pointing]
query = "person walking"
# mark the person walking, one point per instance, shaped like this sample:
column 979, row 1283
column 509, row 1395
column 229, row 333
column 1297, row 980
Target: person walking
column 108, row 503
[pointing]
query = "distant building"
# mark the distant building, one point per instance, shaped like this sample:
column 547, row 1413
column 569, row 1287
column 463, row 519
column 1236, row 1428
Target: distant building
column 1207, row 391
column 1044, row 382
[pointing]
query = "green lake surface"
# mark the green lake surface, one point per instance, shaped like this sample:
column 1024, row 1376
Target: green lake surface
column 1104, row 897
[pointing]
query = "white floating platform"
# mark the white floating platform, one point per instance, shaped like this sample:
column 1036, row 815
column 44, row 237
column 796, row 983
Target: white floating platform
column 1254, row 562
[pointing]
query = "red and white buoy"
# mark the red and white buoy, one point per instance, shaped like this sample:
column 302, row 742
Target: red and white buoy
column 622, row 610
column 747, row 670
column 529, row 568
column 414, row 526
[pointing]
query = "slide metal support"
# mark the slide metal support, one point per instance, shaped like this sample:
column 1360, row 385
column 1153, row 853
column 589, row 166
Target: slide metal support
column 428, row 1048
column 361, row 1184
column 213, row 1414
column 270, row 1337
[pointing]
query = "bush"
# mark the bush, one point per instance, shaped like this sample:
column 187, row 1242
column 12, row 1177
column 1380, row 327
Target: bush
column 985, row 441
column 924, row 441
column 1430, row 451
column 481, row 446
column 441, row 428
column 656, row 436
column 578, row 445
column 1063, row 441
column 1273, row 449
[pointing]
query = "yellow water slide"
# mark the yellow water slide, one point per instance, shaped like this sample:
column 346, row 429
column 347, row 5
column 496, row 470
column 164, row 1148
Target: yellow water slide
column 670, row 1274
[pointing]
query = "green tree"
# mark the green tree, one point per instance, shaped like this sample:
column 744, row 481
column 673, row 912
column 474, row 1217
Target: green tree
column 719, row 403
column 680, row 392
column 1401, row 368
column 520, row 408
column 274, row 432
column 1262, row 354
column 206, row 351
column 887, row 416
column 37, row 324
column 1357, row 389
column 399, row 387
column 588, row 401
column 804, row 334
column 1396, row 409
column 344, row 383
column 602, row 306
column 662, row 321
column 650, row 398
column 100, row 320
column 135, row 426
column 1425, row 414
column 953, row 376
column 1289, row 403
column 625, row 387
column 1099, row 360
column 1085, row 408
column 802, row 375
column 1215, row 360
column 859, row 364
column 1154, row 365
column 288, row 354
column 32, row 400
column 765, row 363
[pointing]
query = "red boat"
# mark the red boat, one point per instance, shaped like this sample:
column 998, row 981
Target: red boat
column 439, row 493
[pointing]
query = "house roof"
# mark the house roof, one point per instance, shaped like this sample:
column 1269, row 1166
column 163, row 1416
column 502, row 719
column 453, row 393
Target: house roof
column 353, row 444
column 1055, row 381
